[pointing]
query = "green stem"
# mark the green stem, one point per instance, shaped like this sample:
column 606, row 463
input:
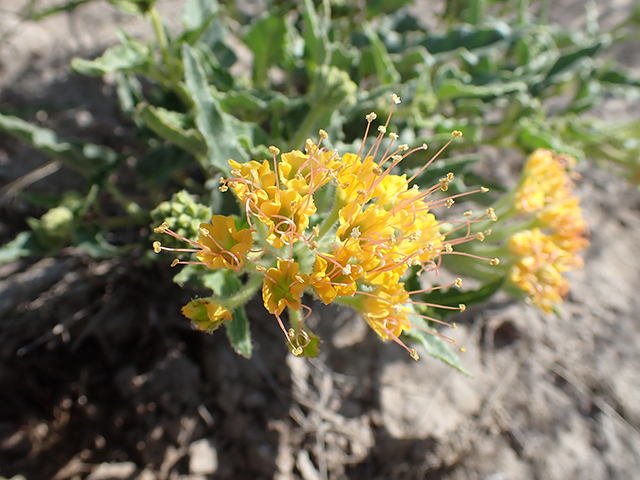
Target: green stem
column 303, row 132
column 330, row 220
column 164, row 45
column 244, row 294
column 295, row 318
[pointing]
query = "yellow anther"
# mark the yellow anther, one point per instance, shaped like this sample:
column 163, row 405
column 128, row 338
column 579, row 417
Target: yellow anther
column 395, row 98
column 458, row 282
column 492, row 214
column 157, row 247
column 221, row 180
column 162, row 228
column 488, row 231
column 480, row 236
column 382, row 129
column 309, row 146
column 456, row 133
column 449, row 203
column 355, row 232
column 450, row 176
column 236, row 172
column 291, row 333
column 484, row 189
column 462, row 307
column 175, row 262
column 468, row 213
column 359, row 191
column 313, row 245
column 403, row 148
column 448, row 247
column 371, row 117
column 377, row 171
column 444, row 184
column 299, row 279
column 323, row 134
column 415, row 355
column 424, row 146
column 495, row 261
column 346, row 270
column 454, row 326
column 462, row 349
column 297, row 351
column 274, row 150
column 316, row 231
column 260, row 269
column 453, row 341
column 204, row 232
column 394, row 135
column 223, row 188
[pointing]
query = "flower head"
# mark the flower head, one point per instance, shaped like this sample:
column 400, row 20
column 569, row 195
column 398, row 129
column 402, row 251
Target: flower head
column 380, row 226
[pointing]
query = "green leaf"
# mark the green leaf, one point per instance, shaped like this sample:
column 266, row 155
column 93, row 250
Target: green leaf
column 536, row 135
column 128, row 57
column 454, row 89
column 315, row 36
column 196, row 14
column 386, row 71
column 86, row 157
column 171, row 126
column 221, row 132
column 45, row 12
column 266, row 53
column 434, row 345
column 467, row 36
column 239, row 334
column 452, row 297
column 23, row 245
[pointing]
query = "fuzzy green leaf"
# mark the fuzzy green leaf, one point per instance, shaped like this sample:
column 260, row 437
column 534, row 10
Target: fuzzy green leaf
column 386, row 71
column 434, row 346
column 171, row 126
column 86, row 157
column 221, row 134
column 119, row 58
column 271, row 26
column 23, row 245
column 239, row 334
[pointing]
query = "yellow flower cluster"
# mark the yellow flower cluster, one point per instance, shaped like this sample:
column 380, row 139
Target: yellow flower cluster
column 549, row 249
column 379, row 227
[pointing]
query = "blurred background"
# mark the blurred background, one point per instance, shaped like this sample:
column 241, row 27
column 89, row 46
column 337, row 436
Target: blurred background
column 101, row 377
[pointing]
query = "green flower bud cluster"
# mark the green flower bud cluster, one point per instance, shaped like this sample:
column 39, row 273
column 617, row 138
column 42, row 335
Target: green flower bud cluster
column 55, row 228
column 333, row 87
column 183, row 215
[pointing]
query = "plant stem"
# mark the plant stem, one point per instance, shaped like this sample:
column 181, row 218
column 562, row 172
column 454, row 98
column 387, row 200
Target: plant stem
column 164, row 45
column 245, row 293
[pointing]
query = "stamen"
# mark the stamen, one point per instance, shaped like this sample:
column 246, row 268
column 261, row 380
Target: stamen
column 157, row 246
column 162, row 228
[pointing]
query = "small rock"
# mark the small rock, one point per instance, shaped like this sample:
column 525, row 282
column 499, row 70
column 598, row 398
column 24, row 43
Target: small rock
column 203, row 458
column 113, row 471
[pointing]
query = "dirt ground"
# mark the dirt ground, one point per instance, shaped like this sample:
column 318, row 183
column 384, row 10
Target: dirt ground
column 102, row 378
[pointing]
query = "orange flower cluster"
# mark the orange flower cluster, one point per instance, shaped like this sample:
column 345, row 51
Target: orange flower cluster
column 549, row 249
column 356, row 255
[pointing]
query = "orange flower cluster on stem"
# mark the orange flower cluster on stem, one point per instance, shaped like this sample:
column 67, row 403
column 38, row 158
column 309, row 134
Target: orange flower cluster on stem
column 380, row 225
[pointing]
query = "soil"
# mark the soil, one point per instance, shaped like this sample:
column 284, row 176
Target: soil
column 102, row 378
